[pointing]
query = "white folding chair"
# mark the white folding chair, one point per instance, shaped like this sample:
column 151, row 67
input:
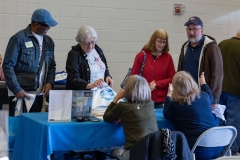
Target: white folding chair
column 216, row 137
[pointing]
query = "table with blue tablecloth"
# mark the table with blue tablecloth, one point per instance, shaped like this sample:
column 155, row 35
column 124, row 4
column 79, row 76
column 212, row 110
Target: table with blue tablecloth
column 37, row 139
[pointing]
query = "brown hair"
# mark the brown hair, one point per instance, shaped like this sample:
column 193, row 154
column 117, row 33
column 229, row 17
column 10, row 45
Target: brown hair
column 185, row 89
column 161, row 34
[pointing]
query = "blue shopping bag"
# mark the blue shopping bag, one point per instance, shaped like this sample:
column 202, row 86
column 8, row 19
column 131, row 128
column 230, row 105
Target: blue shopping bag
column 61, row 78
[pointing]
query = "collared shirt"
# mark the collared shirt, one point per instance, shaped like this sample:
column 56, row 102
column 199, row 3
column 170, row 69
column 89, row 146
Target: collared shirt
column 191, row 59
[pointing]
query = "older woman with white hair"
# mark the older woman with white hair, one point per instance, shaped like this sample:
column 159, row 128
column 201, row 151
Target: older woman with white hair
column 86, row 64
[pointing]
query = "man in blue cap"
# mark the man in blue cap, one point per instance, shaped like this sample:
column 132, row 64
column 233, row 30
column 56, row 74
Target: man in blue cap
column 202, row 54
column 29, row 64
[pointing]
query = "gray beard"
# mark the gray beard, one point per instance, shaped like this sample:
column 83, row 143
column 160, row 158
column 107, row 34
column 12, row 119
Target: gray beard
column 195, row 40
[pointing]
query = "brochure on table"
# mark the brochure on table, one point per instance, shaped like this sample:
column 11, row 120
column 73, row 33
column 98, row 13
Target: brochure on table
column 60, row 105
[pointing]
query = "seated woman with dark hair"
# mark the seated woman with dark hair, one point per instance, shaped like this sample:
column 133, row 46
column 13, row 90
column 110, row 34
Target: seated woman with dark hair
column 137, row 114
column 190, row 111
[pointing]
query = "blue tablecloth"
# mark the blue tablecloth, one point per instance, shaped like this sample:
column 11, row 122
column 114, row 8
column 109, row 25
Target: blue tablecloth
column 36, row 138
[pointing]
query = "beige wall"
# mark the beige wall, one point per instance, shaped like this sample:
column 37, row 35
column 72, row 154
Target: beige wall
column 123, row 26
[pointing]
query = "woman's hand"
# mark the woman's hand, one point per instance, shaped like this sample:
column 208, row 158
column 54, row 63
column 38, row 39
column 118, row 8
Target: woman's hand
column 152, row 85
column 170, row 90
column 119, row 95
column 109, row 81
column 98, row 83
column 202, row 79
column 118, row 121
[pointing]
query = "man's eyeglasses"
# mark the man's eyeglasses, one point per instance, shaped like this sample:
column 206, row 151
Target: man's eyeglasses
column 192, row 29
column 89, row 43
column 161, row 41
column 43, row 24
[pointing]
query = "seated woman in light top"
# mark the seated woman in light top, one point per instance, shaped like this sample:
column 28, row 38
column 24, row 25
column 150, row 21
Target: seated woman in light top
column 137, row 114
column 190, row 111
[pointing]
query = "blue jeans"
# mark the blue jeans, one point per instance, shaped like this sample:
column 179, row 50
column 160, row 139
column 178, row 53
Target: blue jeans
column 232, row 115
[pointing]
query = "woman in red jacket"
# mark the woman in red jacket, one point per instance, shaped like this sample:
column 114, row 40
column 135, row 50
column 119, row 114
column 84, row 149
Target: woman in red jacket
column 158, row 69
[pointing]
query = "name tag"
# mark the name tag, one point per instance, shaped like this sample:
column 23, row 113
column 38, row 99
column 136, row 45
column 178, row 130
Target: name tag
column 29, row 44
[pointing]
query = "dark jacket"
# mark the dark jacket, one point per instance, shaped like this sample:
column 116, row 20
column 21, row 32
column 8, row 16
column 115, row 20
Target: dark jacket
column 136, row 123
column 230, row 49
column 211, row 64
column 78, row 69
column 21, row 57
column 150, row 147
column 194, row 119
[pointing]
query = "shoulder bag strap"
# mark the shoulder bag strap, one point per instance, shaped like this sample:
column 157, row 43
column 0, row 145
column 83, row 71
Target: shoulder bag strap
column 143, row 64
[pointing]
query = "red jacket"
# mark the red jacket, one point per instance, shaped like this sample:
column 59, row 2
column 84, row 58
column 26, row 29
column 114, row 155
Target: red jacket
column 161, row 70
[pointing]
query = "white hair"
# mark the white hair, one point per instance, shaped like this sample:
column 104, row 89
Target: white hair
column 85, row 33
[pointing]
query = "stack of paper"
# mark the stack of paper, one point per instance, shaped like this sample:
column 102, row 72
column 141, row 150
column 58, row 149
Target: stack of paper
column 219, row 111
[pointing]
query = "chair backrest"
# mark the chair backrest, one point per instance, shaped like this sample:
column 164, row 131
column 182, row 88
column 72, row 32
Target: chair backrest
column 228, row 158
column 216, row 137
column 151, row 147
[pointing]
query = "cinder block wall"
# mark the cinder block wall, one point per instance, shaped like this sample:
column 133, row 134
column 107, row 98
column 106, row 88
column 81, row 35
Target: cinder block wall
column 123, row 26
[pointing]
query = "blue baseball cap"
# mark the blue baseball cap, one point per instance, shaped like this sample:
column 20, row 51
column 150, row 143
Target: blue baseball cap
column 194, row 20
column 42, row 15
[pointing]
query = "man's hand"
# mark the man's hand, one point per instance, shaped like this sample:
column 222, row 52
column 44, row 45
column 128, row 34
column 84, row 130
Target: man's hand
column 22, row 94
column 47, row 87
column 109, row 81
column 202, row 79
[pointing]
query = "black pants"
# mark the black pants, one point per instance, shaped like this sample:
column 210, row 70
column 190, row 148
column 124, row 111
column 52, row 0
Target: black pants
column 36, row 107
column 158, row 105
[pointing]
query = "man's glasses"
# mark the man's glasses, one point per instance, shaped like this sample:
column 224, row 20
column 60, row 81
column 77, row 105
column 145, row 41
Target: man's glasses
column 89, row 43
column 43, row 24
column 192, row 29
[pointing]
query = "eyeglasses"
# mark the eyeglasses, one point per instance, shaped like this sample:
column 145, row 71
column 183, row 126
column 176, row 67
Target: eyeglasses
column 161, row 41
column 43, row 24
column 89, row 43
column 192, row 29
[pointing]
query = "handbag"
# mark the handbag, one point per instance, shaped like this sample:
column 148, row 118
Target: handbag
column 28, row 82
column 130, row 69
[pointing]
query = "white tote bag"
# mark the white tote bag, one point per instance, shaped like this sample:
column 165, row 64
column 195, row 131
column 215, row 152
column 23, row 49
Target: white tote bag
column 102, row 97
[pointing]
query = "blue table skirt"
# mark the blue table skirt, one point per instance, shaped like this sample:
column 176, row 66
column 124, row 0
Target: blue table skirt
column 36, row 138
